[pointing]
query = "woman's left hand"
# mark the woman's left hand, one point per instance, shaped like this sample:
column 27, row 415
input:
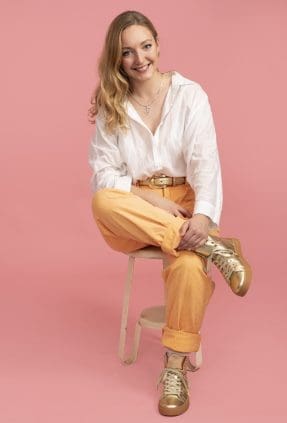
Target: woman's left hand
column 194, row 232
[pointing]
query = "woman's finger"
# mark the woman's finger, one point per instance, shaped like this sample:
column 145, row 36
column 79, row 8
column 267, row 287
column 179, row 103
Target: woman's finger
column 183, row 229
column 185, row 212
column 191, row 240
column 198, row 243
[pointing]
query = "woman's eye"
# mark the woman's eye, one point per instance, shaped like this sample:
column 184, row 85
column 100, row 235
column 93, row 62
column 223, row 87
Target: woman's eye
column 127, row 52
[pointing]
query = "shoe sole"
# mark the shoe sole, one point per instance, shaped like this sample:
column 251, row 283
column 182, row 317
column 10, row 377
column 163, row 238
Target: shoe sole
column 176, row 411
column 242, row 290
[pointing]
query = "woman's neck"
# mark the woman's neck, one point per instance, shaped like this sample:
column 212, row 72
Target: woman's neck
column 147, row 89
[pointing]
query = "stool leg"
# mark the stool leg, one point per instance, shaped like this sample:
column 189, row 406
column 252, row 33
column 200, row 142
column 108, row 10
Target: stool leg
column 136, row 342
column 198, row 360
column 198, row 357
column 125, row 310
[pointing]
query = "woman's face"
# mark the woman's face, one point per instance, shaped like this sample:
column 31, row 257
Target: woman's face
column 139, row 52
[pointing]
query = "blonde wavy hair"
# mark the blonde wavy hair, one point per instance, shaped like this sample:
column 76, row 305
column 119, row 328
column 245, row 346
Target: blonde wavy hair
column 110, row 94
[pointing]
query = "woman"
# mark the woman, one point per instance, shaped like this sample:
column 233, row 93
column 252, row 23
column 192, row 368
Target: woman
column 157, row 181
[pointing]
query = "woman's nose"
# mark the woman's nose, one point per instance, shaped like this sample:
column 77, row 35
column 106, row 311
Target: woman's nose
column 139, row 57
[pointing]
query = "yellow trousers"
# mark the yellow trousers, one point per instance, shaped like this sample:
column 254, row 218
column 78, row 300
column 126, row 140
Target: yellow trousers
column 127, row 222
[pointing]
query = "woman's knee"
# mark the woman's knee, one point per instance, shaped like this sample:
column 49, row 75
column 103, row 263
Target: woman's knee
column 188, row 261
column 102, row 202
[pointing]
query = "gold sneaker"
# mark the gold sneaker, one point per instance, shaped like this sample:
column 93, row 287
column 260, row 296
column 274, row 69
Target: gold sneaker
column 174, row 399
column 226, row 255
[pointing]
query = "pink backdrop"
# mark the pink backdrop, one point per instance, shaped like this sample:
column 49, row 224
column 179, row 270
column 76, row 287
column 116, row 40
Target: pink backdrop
column 61, row 286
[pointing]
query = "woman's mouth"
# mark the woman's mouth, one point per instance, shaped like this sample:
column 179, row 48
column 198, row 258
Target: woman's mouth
column 142, row 69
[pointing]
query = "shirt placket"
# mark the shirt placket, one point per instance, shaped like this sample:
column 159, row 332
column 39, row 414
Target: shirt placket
column 155, row 150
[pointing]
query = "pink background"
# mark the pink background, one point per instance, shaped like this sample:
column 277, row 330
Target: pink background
column 61, row 286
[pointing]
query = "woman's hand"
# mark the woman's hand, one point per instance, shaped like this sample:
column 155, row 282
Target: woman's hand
column 171, row 207
column 161, row 202
column 194, row 232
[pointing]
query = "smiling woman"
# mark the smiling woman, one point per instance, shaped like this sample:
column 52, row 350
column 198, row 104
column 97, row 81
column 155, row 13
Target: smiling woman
column 140, row 65
column 139, row 56
column 131, row 54
column 157, row 181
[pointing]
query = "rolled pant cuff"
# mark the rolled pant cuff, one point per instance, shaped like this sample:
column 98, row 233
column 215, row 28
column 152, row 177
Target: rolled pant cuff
column 179, row 340
column 171, row 237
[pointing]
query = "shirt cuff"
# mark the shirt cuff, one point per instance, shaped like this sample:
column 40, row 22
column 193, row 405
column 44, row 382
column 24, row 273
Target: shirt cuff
column 208, row 209
column 123, row 182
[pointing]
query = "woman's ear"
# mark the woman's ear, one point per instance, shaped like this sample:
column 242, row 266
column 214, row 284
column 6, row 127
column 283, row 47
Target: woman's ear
column 158, row 47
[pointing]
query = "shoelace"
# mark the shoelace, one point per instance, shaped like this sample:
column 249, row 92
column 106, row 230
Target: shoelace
column 173, row 379
column 227, row 262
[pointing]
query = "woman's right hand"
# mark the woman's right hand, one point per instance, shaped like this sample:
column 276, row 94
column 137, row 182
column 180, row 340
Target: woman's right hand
column 171, row 207
column 161, row 202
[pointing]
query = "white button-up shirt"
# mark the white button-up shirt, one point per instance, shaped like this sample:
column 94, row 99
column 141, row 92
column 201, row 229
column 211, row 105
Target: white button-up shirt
column 184, row 144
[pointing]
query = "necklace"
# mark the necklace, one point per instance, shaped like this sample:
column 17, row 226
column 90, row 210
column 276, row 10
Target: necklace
column 147, row 107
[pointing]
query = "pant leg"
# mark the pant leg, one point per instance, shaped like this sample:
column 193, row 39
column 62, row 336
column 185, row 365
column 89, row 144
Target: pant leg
column 188, row 289
column 127, row 222
column 187, row 292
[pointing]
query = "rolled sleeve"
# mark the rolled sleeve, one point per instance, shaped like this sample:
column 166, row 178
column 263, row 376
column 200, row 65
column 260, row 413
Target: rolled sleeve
column 202, row 160
column 109, row 170
column 123, row 182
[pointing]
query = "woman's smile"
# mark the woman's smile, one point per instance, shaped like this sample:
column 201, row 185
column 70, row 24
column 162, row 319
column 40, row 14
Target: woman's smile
column 143, row 68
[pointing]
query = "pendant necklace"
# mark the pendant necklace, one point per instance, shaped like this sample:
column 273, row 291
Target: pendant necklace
column 147, row 107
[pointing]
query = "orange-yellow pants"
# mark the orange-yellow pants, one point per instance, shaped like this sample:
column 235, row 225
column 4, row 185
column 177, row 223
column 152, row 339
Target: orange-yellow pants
column 127, row 222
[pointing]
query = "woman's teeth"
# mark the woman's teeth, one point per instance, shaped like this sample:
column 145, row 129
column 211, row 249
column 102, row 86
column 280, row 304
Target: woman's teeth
column 142, row 69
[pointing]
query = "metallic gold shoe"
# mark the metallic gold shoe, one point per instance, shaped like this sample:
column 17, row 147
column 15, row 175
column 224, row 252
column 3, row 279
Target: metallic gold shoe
column 227, row 256
column 174, row 399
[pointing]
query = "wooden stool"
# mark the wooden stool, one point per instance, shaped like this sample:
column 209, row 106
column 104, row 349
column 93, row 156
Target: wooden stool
column 152, row 317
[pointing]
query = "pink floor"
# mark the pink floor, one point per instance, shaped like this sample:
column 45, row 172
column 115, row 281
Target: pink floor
column 59, row 339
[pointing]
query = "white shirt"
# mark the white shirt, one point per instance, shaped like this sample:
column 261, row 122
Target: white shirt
column 184, row 144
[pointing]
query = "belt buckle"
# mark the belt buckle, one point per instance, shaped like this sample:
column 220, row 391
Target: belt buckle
column 162, row 184
column 153, row 182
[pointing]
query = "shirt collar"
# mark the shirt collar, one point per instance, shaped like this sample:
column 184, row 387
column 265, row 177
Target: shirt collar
column 176, row 81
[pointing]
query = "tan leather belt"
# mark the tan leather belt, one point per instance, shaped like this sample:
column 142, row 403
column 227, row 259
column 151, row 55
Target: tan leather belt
column 162, row 181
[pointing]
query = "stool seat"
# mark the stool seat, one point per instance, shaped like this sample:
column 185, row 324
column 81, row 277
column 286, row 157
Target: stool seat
column 148, row 253
column 151, row 317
